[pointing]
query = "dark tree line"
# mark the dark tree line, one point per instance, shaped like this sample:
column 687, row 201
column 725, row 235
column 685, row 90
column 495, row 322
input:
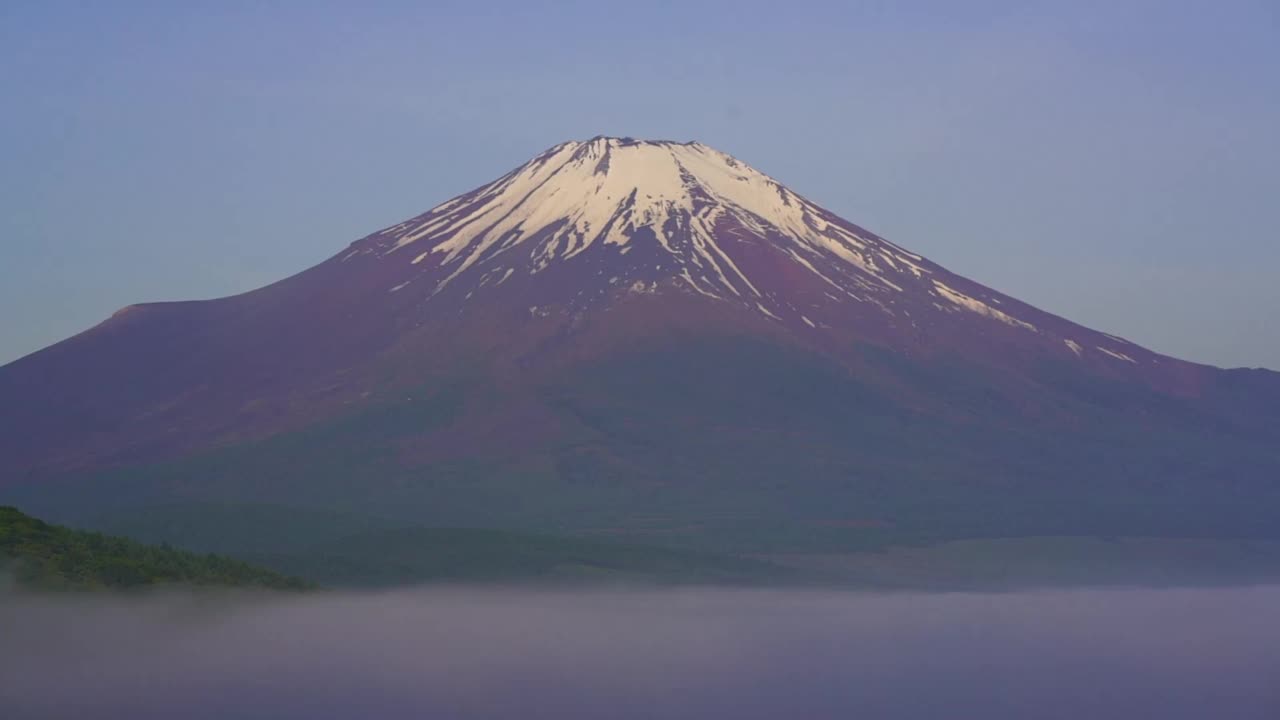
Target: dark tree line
column 52, row 557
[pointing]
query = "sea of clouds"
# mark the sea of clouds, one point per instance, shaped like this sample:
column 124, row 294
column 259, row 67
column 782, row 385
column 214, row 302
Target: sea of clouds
column 699, row 653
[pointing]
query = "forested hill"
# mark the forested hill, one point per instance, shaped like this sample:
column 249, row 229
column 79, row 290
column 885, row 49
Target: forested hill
column 51, row 557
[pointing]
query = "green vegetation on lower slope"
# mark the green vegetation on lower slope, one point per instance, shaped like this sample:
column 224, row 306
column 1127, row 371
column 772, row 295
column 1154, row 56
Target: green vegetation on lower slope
column 347, row 549
column 352, row 550
column 51, row 557
column 737, row 447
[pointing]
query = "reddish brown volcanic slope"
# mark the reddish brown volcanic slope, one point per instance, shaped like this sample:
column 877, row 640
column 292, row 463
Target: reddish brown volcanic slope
column 587, row 252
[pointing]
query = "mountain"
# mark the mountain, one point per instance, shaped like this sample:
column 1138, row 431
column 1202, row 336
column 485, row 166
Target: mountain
column 49, row 557
column 647, row 340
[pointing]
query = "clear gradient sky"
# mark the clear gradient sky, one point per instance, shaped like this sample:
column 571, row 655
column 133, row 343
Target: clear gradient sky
column 1116, row 162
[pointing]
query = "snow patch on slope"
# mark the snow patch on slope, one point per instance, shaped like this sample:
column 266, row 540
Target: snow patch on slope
column 974, row 305
column 1117, row 355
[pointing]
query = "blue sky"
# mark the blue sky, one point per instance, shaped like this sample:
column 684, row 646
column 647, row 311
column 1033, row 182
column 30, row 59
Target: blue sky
column 1113, row 162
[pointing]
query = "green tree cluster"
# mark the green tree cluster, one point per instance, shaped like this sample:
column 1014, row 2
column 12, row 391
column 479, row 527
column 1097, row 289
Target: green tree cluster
column 52, row 557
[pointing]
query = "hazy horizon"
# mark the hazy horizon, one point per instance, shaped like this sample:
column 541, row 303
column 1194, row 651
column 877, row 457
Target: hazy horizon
column 1114, row 165
column 693, row 653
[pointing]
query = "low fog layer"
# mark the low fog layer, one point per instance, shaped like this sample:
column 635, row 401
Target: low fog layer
column 462, row 653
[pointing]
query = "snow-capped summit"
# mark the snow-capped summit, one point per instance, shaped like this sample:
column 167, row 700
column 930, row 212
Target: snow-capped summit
column 610, row 195
column 586, row 221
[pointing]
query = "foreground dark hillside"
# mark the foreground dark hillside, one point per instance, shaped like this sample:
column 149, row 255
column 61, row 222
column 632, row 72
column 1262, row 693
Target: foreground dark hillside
column 51, row 557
